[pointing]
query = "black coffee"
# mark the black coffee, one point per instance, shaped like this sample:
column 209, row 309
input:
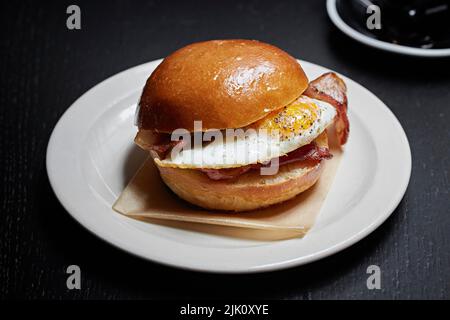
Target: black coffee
column 416, row 23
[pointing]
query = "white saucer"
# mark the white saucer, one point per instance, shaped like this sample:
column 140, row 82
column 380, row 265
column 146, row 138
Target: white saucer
column 358, row 36
column 91, row 157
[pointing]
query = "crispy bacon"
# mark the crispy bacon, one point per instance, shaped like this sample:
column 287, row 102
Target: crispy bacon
column 163, row 149
column 307, row 152
column 330, row 88
column 310, row 152
column 160, row 143
column 225, row 174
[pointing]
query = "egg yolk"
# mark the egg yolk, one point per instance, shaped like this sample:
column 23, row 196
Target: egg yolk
column 294, row 119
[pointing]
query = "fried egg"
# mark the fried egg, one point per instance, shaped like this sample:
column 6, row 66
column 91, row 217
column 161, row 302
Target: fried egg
column 277, row 134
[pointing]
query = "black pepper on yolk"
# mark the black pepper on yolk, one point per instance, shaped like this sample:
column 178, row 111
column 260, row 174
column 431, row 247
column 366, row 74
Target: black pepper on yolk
column 294, row 119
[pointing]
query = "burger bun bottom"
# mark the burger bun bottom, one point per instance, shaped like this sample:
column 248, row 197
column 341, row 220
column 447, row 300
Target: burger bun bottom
column 249, row 191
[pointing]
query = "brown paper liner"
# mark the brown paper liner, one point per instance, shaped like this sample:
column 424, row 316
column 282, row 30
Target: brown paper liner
column 147, row 198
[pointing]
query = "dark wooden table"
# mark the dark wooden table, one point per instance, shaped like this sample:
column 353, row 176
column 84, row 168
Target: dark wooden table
column 45, row 67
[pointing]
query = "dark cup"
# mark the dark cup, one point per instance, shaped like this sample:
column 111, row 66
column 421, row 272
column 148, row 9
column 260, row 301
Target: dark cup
column 416, row 23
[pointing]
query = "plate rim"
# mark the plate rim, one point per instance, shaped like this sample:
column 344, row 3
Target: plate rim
column 382, row 45
column 221, row 269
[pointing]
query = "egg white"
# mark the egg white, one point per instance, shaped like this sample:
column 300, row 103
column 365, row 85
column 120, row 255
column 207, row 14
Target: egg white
column 250, row 146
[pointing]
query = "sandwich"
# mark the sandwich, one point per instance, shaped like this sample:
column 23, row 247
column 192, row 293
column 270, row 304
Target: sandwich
column 236, row 125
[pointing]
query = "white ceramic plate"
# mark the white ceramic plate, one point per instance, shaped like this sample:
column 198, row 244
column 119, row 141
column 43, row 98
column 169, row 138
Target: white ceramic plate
column 91, row 157
column 358, row 36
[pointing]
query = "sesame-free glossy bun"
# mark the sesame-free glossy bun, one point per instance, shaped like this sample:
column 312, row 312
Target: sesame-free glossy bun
column 223, row 83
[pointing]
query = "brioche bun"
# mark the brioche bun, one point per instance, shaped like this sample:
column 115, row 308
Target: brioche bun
column 224, row 83
column 247, row 192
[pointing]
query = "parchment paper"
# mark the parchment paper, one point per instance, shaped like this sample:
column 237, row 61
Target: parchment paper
column 147, row 198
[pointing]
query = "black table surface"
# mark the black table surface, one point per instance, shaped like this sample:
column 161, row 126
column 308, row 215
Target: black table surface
column 45, row 67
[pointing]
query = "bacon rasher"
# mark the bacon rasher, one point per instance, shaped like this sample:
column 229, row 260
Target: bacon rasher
column 309, row 152
column 330, row 88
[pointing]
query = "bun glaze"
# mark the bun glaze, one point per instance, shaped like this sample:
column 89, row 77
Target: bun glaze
column 247, row 192
column 224, row 83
